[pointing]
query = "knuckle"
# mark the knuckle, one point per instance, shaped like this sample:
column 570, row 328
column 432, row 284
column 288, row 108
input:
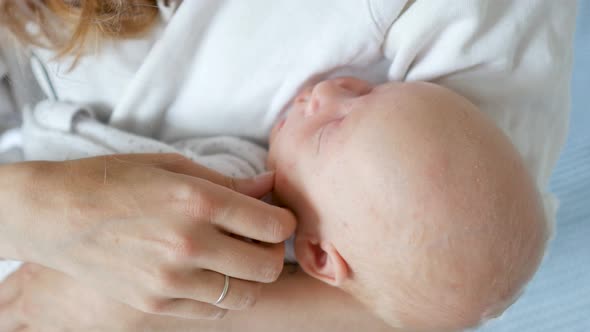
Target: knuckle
column 165, row 281
column 183, row 191
column 216, row 314
column 183, row 247
column 246, row 301
column 177, row 249
column 152, row 305
column 230, row 182
column 194, row 199
column 221, row 313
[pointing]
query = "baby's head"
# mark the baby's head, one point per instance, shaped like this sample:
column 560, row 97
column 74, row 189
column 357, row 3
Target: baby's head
column 409, row 199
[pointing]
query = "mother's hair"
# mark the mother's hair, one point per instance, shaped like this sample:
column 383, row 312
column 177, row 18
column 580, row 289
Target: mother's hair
column 66, row 26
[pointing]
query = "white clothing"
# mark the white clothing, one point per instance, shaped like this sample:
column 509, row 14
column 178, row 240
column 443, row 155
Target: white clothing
column 228, row 67
column 63, row 131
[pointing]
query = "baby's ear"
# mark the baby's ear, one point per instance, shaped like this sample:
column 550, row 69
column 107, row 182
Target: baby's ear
column 321, row 260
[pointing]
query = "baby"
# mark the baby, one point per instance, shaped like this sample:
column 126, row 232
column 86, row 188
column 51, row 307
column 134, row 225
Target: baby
column 409, row 199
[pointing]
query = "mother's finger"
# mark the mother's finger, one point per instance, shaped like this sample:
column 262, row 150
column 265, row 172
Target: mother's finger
column 207, row 286
column 191, row 309
column 241, row 259
column 228, row 202
column 245, row 216
column 9, row 290
column 176, row 163
column 255, row 187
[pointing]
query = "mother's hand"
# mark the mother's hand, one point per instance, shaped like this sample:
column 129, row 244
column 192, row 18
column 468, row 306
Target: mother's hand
column 38, row 299
column 35, row 298
column 154, row 231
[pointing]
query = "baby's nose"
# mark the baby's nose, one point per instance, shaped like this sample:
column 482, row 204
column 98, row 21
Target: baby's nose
column 327, row 94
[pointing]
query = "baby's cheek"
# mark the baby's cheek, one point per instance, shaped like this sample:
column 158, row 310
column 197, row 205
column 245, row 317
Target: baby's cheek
column 287, row 159
column 290, row 165
column 284, row 178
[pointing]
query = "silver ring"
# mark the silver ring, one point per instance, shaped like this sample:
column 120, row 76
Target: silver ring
column 224, row 291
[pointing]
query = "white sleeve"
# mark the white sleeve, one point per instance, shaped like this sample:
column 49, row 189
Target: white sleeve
column 10, row 150
column 58, row 131
column 7, row 268
column 8, row 114
column 230, row 156
column 512, row 59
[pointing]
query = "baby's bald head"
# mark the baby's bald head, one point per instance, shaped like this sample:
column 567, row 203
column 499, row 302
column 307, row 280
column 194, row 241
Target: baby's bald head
column 414, row 202
column 460, row 225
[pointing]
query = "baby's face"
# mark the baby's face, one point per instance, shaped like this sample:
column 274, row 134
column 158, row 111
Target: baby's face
column 322, row 150
column 346, row 166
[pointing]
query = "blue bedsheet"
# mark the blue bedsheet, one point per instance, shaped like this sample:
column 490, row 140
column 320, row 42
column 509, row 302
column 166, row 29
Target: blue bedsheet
column 558, row 299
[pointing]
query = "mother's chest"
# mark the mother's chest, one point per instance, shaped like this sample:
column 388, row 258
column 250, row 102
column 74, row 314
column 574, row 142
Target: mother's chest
column 245, row 62
column 255, row 55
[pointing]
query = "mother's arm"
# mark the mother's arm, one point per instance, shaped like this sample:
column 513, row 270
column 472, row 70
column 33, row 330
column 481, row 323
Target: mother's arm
column 295, row 302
